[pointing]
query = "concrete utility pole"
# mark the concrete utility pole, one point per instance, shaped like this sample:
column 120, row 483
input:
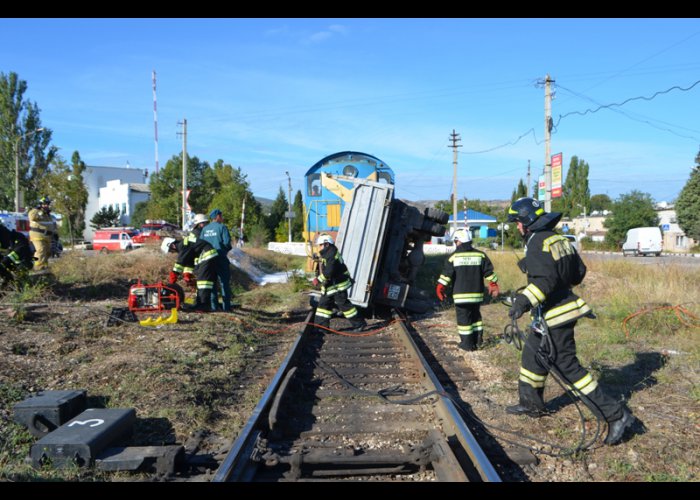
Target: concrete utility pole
column 184, row 171
column 529, row 182
column 240, row 239
column 547, row 143
column 289, row 212
column 455, row 138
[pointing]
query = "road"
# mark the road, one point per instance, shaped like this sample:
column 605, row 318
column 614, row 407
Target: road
column 664, row 259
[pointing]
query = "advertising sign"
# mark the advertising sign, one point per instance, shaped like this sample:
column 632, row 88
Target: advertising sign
column 556, row 175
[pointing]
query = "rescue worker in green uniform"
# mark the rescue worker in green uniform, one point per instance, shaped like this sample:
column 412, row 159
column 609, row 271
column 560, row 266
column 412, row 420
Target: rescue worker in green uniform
column 553, row 267
column 468, row 268
column 334, row 278
column 20, row 255
column 42, row 228
column 196, row 261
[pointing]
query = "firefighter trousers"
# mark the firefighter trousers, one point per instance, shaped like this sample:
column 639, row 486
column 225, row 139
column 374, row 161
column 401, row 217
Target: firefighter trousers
column 42, row 252
column 324, row 310
column 535, row 368
column 469, row 324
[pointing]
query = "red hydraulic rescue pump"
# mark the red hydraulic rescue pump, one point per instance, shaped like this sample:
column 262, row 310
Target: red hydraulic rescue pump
column 155, row 298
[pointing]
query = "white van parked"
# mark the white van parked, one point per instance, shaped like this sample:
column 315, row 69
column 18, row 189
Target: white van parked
column 643, row 241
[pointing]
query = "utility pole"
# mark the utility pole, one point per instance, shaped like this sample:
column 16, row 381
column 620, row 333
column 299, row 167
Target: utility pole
column 184, row 171
column 289, row 212
column 547, row 143
column 527, row 186
column 455, row 138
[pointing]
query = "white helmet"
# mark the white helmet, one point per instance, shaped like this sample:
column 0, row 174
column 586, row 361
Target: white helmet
column 199, row 218
column 324, row 238
column 462, row 235
column 165, row 246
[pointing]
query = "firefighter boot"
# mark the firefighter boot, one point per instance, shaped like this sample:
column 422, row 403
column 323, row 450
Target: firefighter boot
column 479, row 339
column 467, row 342
column 203, row 301
column 616, row 428
column 531, row 402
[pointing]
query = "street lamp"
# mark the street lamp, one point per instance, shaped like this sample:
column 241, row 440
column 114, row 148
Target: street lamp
column 17, row 164
column 503, row 227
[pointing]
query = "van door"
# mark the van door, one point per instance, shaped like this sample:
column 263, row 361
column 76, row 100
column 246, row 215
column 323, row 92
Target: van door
column 125, row 242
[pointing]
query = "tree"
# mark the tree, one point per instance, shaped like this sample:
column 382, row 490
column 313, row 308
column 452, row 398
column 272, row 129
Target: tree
column 106, row 217
column 576, row 194
column 600, row 202
column 635, row 209
column 19, row 120
column 688, row 203
column 519, row 192
column 230, row 187
column 166, row 189
column 65, row 185
column 298, row 220
column 277, row 213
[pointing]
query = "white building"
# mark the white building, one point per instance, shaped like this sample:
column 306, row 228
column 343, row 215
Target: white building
column 123, row 197
column 675, row 239
column 96, row 178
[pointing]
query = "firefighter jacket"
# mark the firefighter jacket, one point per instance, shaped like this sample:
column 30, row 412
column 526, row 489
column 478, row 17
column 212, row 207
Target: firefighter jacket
column 197, row 256
column 553, row 267
column 468, row 268
column 41, row 225
column 20, row 253
column 333, row 273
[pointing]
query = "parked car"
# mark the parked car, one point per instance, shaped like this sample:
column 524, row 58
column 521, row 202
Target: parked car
column 643, row 241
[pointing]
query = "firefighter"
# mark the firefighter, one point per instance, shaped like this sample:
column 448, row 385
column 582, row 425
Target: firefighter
column 20, row 255
column 217, row 234
column 42, row 228
column 553, row 267
column 468, row 268
column 196, row 261
column 334, row 278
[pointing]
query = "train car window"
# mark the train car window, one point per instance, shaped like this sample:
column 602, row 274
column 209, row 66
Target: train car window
column 314, row 185
column 350, row 171
column 384, row 177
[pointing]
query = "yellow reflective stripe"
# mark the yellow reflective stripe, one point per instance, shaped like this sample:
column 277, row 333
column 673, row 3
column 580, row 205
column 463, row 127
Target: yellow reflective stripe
column 445, row 280
column 467, row 298
column 188, row 269
column 533, row 294
column 567, row 312
column 524, row 372
column 323, row 313
column 492, row 278
column 585, row 385
column 466, row 334
column 178, row 268
column 350, row 313
column 13, row 257
column 532, row 383
column 465, row 330
column 321, row 278
column 205, row 285
column 478, row 326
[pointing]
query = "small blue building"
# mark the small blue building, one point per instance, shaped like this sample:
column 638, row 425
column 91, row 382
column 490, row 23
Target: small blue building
column 477, row 223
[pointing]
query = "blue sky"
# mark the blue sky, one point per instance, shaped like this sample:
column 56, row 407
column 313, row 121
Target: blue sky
column 276, row 95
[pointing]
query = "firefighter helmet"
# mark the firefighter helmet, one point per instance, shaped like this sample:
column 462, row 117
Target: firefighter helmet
column 44, row 200
column 462, row 235
column 199, row 218
column 526, row 211
column 167, row 244
column 324, row 238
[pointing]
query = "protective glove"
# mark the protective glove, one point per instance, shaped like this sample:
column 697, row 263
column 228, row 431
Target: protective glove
column 188, row 278
column 440, row 291
column 172, row 277
column 315, row 282
column 519, row 307
column 494, row 290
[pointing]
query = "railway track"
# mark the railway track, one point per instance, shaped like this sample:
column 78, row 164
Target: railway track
column 347, row 406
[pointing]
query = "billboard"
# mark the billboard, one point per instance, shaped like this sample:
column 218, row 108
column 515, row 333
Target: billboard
column 556, row 175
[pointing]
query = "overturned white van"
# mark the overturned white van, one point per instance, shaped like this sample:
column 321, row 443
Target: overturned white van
column 643, row 241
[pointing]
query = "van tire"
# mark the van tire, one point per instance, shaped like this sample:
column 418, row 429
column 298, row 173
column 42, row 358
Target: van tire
column 104, row 250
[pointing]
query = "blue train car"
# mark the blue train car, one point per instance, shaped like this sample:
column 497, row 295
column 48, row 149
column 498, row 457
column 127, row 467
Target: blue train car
column 325, row 197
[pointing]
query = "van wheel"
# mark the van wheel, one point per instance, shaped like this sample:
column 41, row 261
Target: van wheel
column 128, row 248
column 104, row 250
